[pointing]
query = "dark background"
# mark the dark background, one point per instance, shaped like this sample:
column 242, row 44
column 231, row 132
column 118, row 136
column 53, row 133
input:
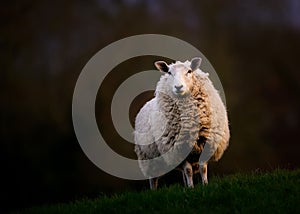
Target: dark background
column 253, row 45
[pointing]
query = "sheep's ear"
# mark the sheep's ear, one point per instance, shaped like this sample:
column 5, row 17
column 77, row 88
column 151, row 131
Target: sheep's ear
column 195, row 63
column 162, row 66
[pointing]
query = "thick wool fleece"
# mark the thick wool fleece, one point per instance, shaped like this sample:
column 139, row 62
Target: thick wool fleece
column 199, row 119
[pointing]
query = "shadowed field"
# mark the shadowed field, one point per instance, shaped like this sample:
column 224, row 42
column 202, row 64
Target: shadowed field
column 256, row 192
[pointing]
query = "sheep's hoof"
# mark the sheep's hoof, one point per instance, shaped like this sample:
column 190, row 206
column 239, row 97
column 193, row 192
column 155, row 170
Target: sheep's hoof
column 192, row 186
column 205, row 182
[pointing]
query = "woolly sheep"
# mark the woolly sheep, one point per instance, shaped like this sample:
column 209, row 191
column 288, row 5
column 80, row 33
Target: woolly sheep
column 185, row 102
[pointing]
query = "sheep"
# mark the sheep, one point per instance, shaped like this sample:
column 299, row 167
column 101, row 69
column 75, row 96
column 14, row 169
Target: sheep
column 186, row 110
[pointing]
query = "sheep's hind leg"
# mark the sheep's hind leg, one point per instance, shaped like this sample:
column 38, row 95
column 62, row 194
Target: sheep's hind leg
column 153, row 183
column 183, row 177
column 188, row 171
column 203, row 172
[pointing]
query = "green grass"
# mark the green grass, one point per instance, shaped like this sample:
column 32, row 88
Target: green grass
column 273, row 192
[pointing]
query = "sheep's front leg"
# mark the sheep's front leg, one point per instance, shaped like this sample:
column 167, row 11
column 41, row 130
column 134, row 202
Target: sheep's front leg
column 203, row 172
column 153, row 183
column 188, row 171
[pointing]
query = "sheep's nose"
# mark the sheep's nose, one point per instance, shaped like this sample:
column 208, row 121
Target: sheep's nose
column 178, row 87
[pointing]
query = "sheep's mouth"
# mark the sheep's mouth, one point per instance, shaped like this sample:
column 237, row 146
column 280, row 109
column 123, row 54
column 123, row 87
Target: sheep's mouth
column 180, row 93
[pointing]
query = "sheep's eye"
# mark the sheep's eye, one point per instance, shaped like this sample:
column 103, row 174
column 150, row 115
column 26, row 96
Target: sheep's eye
column 169, row 72
column 189, row 71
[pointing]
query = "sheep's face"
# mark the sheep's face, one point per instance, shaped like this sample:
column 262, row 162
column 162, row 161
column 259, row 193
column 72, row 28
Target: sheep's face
column 181, row 75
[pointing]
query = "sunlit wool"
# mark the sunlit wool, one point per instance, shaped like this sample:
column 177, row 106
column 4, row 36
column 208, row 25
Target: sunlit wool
column 193, row 111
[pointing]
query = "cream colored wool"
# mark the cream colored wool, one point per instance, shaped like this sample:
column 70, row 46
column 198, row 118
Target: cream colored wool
column 169, row 119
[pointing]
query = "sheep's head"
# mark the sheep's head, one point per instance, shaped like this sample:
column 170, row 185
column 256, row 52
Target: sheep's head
column 180, row 75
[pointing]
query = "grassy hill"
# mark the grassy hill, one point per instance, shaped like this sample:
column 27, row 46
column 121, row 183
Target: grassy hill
column 273, row 192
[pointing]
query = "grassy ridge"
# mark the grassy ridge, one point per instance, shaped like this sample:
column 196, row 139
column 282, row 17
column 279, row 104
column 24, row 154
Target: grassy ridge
column 274, row 192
